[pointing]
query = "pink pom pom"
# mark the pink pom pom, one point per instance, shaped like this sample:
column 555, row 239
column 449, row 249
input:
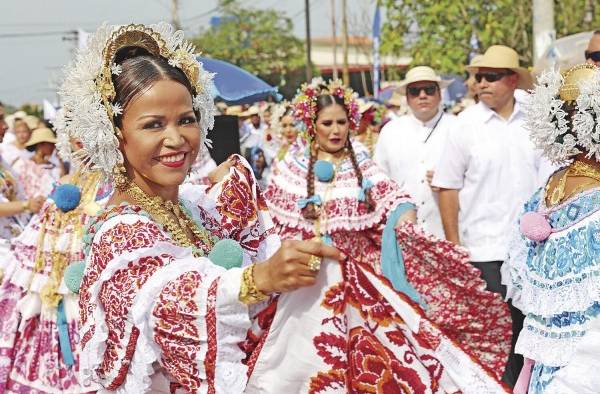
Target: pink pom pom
column 535, row 226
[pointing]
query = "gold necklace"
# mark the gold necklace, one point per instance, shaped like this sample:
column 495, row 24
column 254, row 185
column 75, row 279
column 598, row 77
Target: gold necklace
column 576, row 169
column 160, row 211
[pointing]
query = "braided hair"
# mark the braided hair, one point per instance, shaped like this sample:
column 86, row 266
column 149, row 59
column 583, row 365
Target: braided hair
column 310, row 211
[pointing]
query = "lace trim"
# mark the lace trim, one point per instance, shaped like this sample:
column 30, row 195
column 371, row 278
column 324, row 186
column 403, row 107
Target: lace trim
column 580, row 376
column 548, row 350
column 534, row 294
column 468, row 376
column 233, row 322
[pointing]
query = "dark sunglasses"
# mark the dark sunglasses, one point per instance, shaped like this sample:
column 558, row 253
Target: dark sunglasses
column 416, row 91
column 595, row 56
column 492, row 76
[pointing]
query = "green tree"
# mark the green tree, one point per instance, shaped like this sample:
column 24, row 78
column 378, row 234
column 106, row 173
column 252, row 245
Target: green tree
column 440, row 32
column 259, row 41
column 575, row 16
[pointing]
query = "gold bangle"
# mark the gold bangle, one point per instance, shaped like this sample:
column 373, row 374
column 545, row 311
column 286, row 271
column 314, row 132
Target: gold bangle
column 25, row 205
column 249, row 293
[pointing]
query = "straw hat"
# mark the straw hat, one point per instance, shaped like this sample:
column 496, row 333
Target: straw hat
column 396, row 100
column 33, row 122
column 42, row 134
column 422, row 73
column 364, row 106
column 253, row 110
column 234, row 110
column 500, row 56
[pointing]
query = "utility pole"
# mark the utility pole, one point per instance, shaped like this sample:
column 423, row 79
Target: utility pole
column 308, row 44
column 334, row 35
column 345, row 72
column 543, row 28
column 175, row 14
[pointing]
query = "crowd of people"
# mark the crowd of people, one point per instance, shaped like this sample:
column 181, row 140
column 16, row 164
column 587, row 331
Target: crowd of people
column 351, row 246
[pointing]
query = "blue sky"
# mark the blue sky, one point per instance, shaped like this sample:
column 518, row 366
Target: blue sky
column 31, row 66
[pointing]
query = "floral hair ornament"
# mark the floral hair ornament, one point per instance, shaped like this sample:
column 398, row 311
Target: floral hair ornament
column 563, row 114
column 88, row 92
column 305, row 102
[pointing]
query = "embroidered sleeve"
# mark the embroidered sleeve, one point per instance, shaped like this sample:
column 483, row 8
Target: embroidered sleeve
column 235, row 208
column 145, row 300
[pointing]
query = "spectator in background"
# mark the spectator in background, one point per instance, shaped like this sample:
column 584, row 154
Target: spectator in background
column 253, row 129
column 592, row 53
column 11, row 151
column 38, row 174
column 409, row 147
column 488, row 169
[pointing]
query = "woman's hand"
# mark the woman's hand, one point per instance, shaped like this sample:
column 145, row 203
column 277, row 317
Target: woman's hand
column 288, row 269
column 217, row 175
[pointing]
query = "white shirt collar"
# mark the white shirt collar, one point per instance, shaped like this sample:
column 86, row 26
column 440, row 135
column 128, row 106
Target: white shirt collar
column 431, row 122
column 487, row 113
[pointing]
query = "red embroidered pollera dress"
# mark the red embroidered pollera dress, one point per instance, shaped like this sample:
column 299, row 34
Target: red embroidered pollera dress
column 450, row 287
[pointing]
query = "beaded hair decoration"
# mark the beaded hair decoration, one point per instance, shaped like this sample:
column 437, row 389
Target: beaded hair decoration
column 305, row 102
column 88, row 92
column 563, row 114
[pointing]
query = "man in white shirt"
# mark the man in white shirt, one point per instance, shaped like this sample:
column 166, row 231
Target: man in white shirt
column 488, row 170
column 410, row 146
column 253, row 130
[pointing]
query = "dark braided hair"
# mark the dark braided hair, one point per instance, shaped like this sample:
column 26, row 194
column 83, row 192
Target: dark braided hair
column 369, row 202
column 310, row 212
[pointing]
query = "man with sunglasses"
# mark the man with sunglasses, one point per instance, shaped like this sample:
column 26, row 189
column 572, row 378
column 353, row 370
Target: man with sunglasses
column 592, row 53
column 488, row 170
column 409, row 147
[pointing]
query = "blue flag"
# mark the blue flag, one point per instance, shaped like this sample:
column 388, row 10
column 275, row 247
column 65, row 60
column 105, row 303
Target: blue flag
column 376, row 34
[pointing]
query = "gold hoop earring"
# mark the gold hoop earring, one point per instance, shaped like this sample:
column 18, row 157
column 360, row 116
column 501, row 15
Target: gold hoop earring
column 120, row 179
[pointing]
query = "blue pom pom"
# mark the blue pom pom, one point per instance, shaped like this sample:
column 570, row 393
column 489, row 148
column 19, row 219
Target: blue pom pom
column 67, row 197
column 324, row 170
column 73, row 275
column 227, row 253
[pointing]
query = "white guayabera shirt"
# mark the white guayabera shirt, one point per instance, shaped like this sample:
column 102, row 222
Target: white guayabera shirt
column 406, row 149
column 496, row 168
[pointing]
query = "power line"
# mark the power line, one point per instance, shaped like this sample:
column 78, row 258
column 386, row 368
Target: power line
column 37, row 34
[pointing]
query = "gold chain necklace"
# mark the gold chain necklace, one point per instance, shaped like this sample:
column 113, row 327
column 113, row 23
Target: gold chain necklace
column 576, row 169
column 160, row 210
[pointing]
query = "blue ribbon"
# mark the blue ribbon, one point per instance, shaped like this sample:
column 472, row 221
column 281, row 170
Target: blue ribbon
column 63, row 335
column 392, row 262
column 303, row 202
column 366, row 185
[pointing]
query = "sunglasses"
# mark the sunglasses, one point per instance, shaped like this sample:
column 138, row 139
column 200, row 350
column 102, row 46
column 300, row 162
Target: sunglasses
column 595, row 56
column 491, row 76
column 416, row 91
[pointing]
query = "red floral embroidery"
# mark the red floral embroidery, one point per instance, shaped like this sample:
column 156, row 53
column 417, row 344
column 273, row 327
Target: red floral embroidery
column 176, row 331
column 375, row 369
column 233, row 201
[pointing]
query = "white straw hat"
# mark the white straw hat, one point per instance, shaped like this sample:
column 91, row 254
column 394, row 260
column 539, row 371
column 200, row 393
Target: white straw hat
column 422, row 73
column 500, row 56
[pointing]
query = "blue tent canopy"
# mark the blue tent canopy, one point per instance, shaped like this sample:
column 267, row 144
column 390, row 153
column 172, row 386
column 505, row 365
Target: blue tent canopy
column 235, row 85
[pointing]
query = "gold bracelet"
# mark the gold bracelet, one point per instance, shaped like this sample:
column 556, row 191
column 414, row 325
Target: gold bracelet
column 25, row 206
column 249, row 293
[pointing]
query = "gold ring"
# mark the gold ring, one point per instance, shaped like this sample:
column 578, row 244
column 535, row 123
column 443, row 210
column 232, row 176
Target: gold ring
column 314, row 263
